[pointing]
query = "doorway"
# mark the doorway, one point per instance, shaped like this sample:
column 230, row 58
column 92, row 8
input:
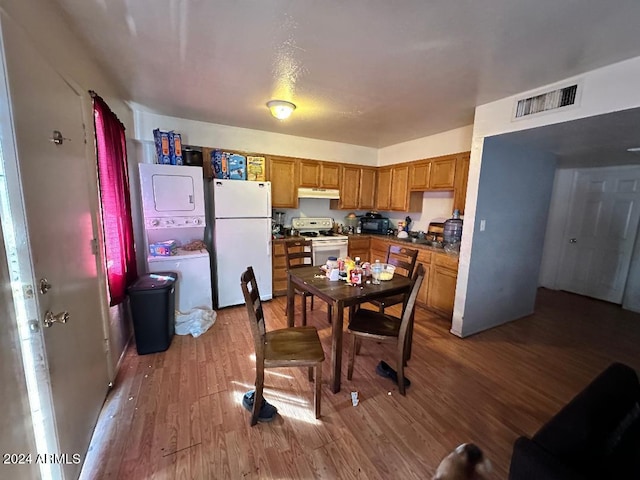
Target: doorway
column 49, row 240
column 600, row 232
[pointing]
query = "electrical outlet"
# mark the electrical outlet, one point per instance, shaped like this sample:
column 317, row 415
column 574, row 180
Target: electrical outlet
column 483, row 224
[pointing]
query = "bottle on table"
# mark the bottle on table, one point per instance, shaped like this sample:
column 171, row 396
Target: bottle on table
column 376, row 269
column 356, row 273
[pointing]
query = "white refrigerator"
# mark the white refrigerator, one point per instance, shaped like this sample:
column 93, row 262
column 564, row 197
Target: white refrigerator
column 241, row 237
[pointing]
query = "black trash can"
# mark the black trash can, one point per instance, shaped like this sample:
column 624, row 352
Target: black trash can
column 152, row 301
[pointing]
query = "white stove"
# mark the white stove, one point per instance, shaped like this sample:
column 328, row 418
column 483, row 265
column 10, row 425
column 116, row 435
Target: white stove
column 324, row 242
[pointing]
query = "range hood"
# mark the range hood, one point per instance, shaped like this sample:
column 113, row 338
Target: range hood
column 329, row 193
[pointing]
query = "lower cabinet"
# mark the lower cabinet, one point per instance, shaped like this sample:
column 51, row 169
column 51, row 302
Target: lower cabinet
column 359, row 247
column 424, row 257
column 438, row 289
column 378, row 250
column 442, row 285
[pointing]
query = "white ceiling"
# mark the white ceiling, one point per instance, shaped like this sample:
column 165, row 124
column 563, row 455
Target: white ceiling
column 365, row 72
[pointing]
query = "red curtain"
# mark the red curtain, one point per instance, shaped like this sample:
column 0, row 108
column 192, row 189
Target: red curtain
column 115, row 202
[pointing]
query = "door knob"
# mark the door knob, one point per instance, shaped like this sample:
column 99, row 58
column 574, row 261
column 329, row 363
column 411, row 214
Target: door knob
column 45, row 286
column 573, row 240
column 50, row 318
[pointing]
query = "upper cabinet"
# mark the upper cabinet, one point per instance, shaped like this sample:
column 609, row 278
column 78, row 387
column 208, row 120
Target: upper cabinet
column 399, row 187
column 461, row 181
column 283, row 173
column 442, row 175
column 357, row 188
column 392, row 190
column 315, row 174
column 367, row 190
column 434, row 174
column 383, row 189
column 329, row 175
column 420, row 175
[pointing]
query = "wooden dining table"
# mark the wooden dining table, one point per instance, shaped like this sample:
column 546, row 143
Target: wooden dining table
column 340, row 295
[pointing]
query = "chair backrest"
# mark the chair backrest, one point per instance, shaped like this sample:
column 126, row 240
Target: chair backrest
column 407, row 311
column 298, row 253
column 402, row 258
column 254, row 308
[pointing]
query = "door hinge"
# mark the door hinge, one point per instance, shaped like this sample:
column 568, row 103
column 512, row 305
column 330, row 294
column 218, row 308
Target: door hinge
column 94, row 246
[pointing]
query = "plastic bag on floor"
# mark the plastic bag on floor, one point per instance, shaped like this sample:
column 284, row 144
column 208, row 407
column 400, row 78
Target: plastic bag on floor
column 194, row 322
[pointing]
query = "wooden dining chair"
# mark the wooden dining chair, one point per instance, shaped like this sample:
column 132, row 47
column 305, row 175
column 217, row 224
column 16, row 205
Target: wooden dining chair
column 299, row 253
column 378, row 326
column 404, row 259
column 285, row 347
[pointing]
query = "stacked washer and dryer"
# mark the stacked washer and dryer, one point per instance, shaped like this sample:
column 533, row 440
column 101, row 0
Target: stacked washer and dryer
column 173, row 209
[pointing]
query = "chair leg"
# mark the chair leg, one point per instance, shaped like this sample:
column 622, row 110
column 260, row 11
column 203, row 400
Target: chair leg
column 304, row 310
column 257, row 397
column 312, row 297
column 311, row 374
column 401, row 357
column 381, row 309
column 352, row 357
column 409, row 339
column 329, row 313
column 318, row 389
column 358, row 345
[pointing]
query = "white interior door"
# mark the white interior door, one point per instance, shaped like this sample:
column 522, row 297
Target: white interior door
column 57, row 187
column 600, row 234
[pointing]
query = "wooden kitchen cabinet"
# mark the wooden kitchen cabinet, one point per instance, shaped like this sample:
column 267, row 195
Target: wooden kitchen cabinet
column 392, row 190
column 357, row 188
column 284, row 187
column 399, row 187
column 315, row 174
column 442, row 173
column 442, row 284
column 461, row 181
column 309, row 173
column 349, row 189
column 424, row 258
column 367, row 190
column 383, row 189
column 329, row 175
column 359, row 247
column 378, row 250
column 420, row 175
column 278, row 269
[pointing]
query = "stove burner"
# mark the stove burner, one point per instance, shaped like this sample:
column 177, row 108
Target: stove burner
column 327, row 233
column 309, row 234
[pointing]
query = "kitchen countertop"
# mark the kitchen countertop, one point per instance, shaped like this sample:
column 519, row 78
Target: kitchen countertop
column 417, row 244
column 388, row 238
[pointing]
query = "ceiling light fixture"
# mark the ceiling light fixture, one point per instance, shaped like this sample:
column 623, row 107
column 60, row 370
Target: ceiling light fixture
column 634, row 149
column 281, row 109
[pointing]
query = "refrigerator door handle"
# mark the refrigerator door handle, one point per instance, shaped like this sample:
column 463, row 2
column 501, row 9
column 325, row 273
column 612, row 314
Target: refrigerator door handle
column 269, row 234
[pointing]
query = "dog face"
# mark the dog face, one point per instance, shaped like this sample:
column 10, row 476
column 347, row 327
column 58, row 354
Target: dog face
column 466, row 462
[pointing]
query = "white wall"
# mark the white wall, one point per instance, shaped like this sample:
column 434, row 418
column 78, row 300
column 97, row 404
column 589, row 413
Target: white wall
column 445, row 143
column 222, row 136
column 515, row 190
column 437, row 206
column 604, row 90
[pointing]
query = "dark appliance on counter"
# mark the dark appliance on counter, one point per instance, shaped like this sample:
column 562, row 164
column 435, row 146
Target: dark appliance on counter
column 374, row 225
column 192, row 156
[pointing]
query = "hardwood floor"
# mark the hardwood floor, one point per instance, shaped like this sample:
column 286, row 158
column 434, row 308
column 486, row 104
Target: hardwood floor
column 178, row 414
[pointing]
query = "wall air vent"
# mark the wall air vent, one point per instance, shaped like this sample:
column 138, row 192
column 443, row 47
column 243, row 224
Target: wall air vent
column 562, row 97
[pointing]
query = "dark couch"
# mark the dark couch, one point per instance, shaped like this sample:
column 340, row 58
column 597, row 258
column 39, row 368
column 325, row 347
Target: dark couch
column 595, row 436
